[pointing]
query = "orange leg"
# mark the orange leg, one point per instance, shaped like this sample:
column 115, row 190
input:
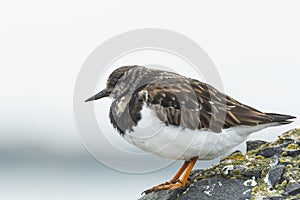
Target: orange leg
column 185, row 176
column 173, row 180
column 179, row 172
column 174, row 183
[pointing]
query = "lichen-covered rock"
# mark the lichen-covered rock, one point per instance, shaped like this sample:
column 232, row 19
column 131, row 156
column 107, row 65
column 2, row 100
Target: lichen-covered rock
column 292, row 153
column 269, row 170
column 252, row 173
column 275, row 174
column 254, row 144
column 218, row 188
column 292, row 189
column 274, row 198
column 163, row 195
column 270, row 151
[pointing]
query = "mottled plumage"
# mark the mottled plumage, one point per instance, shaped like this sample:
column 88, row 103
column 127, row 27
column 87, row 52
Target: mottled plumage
column 187, row 119
column 178, row 101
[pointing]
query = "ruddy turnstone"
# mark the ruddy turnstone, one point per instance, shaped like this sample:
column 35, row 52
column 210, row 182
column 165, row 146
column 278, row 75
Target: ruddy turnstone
column 177, row 117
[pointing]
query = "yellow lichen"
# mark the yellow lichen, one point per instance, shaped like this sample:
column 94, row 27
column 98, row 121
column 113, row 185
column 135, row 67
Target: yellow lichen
column 282, row 159
column 259, row 157
column 281, row 137
column 249, row 164
column 284, row 153
column 292, row 146
column 263, row 146
column 284, row 183
column 235, row 157
column 255, row 189
column 289, row 166
column 251, row 161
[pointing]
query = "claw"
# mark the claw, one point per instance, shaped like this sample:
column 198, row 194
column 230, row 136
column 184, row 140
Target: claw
column 175, row 182
column 166, row 186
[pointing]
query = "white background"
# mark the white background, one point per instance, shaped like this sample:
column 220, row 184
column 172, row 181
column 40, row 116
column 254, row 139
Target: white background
column 254, row 45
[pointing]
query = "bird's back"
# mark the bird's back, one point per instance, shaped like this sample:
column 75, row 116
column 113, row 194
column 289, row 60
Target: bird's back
column 181, row 102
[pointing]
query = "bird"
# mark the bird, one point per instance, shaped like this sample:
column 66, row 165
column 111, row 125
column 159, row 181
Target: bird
column 179, row 118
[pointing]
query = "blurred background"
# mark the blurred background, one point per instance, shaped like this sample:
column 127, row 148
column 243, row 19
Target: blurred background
column 255, row 47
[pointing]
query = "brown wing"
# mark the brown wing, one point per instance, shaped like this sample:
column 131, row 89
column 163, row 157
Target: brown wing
column 236, row 113
column 192, row 104
column 174, row 102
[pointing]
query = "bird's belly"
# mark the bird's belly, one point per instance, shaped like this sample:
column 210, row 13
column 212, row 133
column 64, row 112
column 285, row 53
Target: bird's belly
column 153, row 136
column 184, row 144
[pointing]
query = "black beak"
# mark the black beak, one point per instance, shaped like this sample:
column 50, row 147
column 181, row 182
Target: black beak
column 100, row 95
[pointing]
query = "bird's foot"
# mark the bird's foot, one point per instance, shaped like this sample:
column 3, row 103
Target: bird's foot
column 166, row 186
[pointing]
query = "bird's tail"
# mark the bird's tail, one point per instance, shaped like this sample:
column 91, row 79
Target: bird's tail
column 281, row 119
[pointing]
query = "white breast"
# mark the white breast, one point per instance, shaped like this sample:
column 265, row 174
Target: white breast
column 153, row 136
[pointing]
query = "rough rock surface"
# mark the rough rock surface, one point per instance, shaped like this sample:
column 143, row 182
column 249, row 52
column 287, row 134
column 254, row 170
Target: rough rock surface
column 269, row 171
column 275, row 174
column 254, row 144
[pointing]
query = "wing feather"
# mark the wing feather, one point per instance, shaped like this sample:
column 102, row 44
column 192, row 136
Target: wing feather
column 192, row 104
column 180, row 101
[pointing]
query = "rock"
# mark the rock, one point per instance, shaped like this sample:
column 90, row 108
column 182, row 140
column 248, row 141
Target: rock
column 227, row 169
column 292, row 153
column 194, row 174
column 254, row 144
column 218, row 188
column 285, row 144
column 252, row 173
column 162, row 195
column 274, row 198
column 270, row 151
column 275, row 174
column 292, row 189
column 235, row 152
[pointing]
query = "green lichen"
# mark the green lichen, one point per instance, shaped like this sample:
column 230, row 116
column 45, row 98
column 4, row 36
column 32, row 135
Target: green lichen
column 282, row 160
column 259, row 157
column 251, row 161
column 238, row 156
column 283, row 154
column 284, row 183
column 291, row 147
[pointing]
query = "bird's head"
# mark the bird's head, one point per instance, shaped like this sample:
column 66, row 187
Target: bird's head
column 112, row 81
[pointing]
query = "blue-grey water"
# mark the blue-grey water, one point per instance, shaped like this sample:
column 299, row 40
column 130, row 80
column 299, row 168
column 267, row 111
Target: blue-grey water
column 30, row 172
